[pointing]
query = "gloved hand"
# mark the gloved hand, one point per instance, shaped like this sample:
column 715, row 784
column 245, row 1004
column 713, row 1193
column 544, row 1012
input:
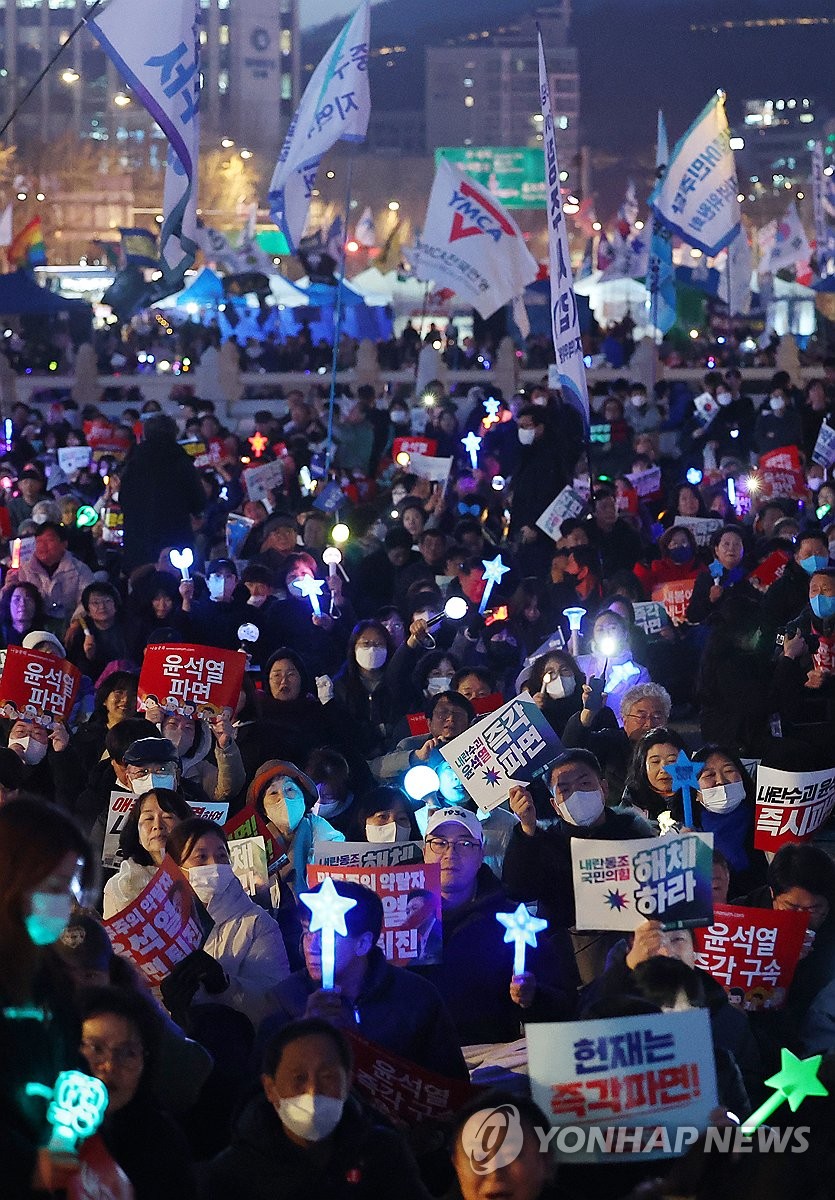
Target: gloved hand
column 179, row 988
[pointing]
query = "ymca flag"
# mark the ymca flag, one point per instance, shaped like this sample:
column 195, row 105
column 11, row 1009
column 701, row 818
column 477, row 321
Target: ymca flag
column 471, row 244
column 158, row 56
column 696, row 199
column 565, row 320
column 790, row 245
column 335, row 106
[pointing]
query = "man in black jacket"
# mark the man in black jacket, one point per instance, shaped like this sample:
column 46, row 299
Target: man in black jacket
column 538, row 479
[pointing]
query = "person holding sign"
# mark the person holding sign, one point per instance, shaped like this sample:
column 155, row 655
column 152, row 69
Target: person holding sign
column 143, row 839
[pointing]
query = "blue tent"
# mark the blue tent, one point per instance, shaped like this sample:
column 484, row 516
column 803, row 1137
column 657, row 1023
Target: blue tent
column 205, row 288
column 19, row 294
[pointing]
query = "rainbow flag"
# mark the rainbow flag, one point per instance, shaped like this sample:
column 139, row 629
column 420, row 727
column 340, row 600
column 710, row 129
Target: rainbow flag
column 28, row 250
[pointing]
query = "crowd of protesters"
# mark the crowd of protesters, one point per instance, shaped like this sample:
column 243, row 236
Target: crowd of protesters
column 236, row 1077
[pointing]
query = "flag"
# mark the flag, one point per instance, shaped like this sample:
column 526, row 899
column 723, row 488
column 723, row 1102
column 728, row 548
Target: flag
column 335, row 106
column 216, row 247
column 27, row 250
column 605, row 253
column 629, row 255
column 365, row 233
column 628, row 211
column 391, row 254
column 139, row 248
column 565, row 321
column 6, row 235
column 824, row 236
column 471, row 244
column 696, row 199
column 335, row 240
column 660, row 277
column 158, row 56
column 790, row 244
column 766, row 235
column 736, row 286
column 110, row 252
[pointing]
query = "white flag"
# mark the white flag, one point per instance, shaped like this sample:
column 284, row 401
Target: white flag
column 6, row 229
column 158, row 57
column 471, row 244
column 696, row 199
column 365, row 233
column 790, row 244
column 565, row 321
column 336, row 105
column 216, row 247
column 735, row 288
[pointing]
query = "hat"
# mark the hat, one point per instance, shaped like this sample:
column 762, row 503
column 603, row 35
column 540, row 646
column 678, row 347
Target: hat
column 85, row 943
column 274, row 768
column 455, row 816
column 37, row 636
column 150, row 750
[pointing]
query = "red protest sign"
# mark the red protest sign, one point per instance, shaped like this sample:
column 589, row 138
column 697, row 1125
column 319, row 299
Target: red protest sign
column 165, row 923
column 37, row 687
column 402, row 1091
column 191, row 680
column 414, row 445
column 411, row 929
column 791, row 805
column 106, row 438
column 769, row 570
column 824, row 656
column 249, row 823
column 675, row 598
column 752, row 952
column 780, row 474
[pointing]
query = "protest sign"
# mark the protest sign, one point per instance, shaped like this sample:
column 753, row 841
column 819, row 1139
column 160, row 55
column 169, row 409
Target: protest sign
column 781, row 474
column 646, row 483
column 564, row 506
column 824, row 656
column 436, row 470
column 651, row 616
column 403, row 1092
column 329, row 498
column 702, row 528
column 824, row 451
column 666, row 879
column 675, row 598
column 411, row 897
column 258, row 481
column 164, row 924
column 237, row 530
column 510, row 746
column 191, row 680
column 414, row 446
column 752, row 952
column 649, row 1074
column 37, row 687
column 249, row 823
column 106, row 439
column 769, row 570
column 791, row 805
column 74, row 458
column 120, row 805
column 248, row 858
column 367, row 854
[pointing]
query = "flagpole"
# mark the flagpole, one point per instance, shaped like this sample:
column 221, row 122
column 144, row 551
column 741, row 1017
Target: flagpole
column 39, row 78
column 337, row 322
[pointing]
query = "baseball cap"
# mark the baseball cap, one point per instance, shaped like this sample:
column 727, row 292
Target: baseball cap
column 455, row 816
column 150, row 750
column 37, row 636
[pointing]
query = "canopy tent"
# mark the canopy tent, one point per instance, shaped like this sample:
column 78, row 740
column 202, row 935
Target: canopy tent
column 613, row 299
column 374, row 286
column 20, row 295
column 206, row 288
column 285, row 292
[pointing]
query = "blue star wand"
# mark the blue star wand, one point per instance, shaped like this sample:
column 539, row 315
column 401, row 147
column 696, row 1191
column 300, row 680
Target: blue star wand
column 521, row 929
column 685, row 776
column 327, row 915
column 494, row 569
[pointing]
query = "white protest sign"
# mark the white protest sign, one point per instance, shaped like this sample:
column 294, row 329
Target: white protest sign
column 120, row 805
column 366, row 854
column 824, row 451
column 426, row 466
column 564, row 506
column 702, row 528
column 646, row 483
column 667, row 879
column 248, row 858
column 624, row 1084
column 74, row 458
column 791, row 805
column 258, row 481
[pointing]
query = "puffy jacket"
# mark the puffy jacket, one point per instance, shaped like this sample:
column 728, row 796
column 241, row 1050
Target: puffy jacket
column 123, row 888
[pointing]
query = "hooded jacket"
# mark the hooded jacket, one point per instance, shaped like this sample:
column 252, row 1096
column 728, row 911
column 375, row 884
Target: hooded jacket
column 222, row 779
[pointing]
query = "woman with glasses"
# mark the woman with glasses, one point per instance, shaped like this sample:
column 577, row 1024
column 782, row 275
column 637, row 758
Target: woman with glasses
column 98, row 637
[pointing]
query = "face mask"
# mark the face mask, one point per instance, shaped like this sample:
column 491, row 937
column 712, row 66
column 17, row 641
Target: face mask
column 724, row 798
column 33, row 750
column 381, row 833
column 310, row 1117
column 581, row 808
column 49, row 917
column 816, row 562
column 526, row 436
column 285, row 812
column 776, row 404
column 209, row 880
column 823, row 606
column 724, row 398
column 638, row 400
column 815, row 484
column 680, row 554
column 440, row 683
column 140, row 786
column 399, row 418
column 561, row 687
column 371, row 658
column 256, row 601
column 540, row 401
column 216, row 585
column 329, row 808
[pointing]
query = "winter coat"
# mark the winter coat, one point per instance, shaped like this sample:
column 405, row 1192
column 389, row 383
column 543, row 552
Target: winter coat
column 220, row 779
column 123, row 888
column 159, row 492
column 61, row 590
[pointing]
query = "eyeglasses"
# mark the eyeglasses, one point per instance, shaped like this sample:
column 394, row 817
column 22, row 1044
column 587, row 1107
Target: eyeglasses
column 118, row 1056
column 643, row 718
column 439, row 845
column 157, row 769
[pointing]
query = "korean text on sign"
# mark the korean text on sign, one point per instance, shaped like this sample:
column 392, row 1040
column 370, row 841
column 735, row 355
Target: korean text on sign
column 37, row 687
column 404, row 1092
column 753, row 953
column 191, row 680
column 791, row 805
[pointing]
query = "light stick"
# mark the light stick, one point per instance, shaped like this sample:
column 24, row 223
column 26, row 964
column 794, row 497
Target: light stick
column 332, row 557
column 311, row 589
column 340, row 533
column 419, row 782
column 491, row 407
column 327, row 915
column 521, row 929
column 86, row 517
column 182, row 560
column 472, row 444
column 685, row 775
column 575, row 620
column 259, row 443
column 796, row 1079
column 78, row 1104
column 494, row 569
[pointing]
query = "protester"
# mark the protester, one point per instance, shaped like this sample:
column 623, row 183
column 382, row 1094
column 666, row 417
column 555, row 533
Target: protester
column 142, row 842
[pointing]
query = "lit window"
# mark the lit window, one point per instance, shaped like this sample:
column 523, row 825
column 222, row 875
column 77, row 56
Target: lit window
column 468, row 102
column 223, row 36
column 223, row 81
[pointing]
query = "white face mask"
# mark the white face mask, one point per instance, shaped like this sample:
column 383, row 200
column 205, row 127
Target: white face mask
column 560, row 687
column 724, row 798
column 581, row 808
column 438, row 683
column 329, row 808
column 216, row 585
column 399, row 418
column 49, row 917
column 371, row 658
column 526, row 436
column 140, row 786
column 210, row 880
column 381, row 833
column 724, row 398
column 33, row 751
column 310, row 1117
column 776, row 404
column 285, row 812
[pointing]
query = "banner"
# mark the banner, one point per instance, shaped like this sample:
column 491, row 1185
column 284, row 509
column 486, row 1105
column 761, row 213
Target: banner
column 37, row 687
column 248, row 858
column 790, row 245
column 259, row 481
column 675, row 597
column 117, row 812
column 645, row 1076
column 191, row 680
column 366, row 854
column 564, row 506
column 335, row 106
column 413, row 446
column 74, row 458
column 752, row 952
column 108, row 439
column 824, row 451
column 781, row 474
column 791, row 805
column 411, row 895
column 666, row 879
column 511, row 746
column 565, row 319
column 735, row 288
column 159, row 57
column 471, row 244
column 404, row 1093
column 702, row 528
column 696, row 199
column 164, row 924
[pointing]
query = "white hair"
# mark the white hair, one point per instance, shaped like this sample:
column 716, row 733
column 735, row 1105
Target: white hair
column 646, row 691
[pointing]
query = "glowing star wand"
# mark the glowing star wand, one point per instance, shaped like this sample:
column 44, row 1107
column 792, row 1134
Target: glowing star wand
column 312, row 589
column 521, row 929
column 685, row 775
column 472, row 444
column 327, row 914
column 796, row 1079
column 494, row 569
